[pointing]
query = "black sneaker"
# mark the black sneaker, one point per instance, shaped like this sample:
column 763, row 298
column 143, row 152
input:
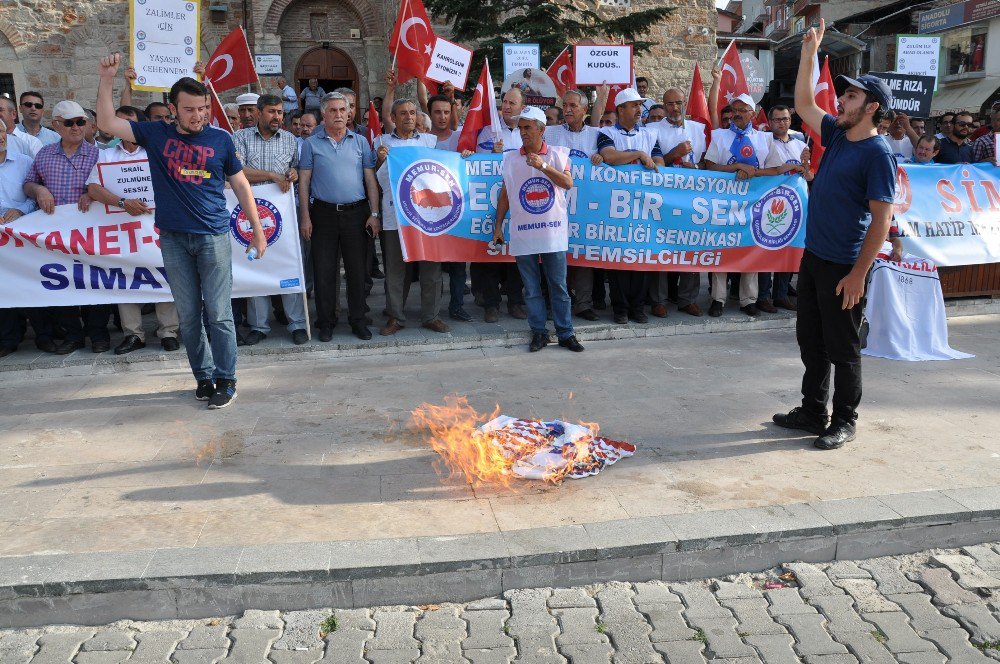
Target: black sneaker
column 538, row 342
column 225, row 394
column 716, row 309
column 572, row 344
column 799, row 418
column 835, row 437
column 206, row 389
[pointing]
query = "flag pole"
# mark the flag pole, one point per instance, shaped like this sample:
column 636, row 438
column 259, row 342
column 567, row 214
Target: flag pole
column 395, row 51
column 726, row 51
column 252, row 61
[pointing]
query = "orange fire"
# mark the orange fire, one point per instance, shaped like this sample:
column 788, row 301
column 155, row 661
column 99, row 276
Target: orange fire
column 454, row 431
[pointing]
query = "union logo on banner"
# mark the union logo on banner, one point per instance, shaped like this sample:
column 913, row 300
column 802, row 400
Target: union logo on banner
column 904, row 193
column 430, row 196
column 776, row 218
column 537, row 195
column 270, row 220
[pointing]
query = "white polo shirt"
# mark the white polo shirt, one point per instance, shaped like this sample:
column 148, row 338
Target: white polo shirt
column 784, row 152
column 669, row 136
column 722, row 141
column 581, row 143
column 511, row 138
column 902, row 147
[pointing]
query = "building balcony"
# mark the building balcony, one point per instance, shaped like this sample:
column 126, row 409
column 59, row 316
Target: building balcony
column 801, row 5
column 776, row 30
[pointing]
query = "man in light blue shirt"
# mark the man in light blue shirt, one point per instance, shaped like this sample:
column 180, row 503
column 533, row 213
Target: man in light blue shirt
column 339, row 202
column 32, row 105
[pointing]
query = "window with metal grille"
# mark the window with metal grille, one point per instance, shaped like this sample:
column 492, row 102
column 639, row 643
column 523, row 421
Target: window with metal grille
column 7, row 85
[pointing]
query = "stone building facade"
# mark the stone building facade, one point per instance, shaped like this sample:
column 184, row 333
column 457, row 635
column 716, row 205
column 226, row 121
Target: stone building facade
column 52, row 45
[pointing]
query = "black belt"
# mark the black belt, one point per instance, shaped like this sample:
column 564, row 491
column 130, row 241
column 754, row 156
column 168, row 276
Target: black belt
column 341, row 207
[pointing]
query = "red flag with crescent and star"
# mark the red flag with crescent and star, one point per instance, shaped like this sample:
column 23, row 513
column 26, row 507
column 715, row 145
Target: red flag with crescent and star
column 482, row 112
column 218, row 118
column 561, row 73
column 734, row 81
column 826, row 99
column 374, row 124
column 698, row 105
column 412, row 41
column 231, row 65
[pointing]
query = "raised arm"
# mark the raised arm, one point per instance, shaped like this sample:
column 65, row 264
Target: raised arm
column 805, row 100
column 713, row 97
column 599, row 104
column 107, row 121
column 390, row 96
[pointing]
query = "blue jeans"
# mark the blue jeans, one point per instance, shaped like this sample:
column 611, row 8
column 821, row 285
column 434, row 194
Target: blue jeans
column 456, row 284
column 554, row 264
column 200, row 271
column 782, row 280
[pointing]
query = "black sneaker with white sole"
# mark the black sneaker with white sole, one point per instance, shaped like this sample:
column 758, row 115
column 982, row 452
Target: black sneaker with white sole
column 206, row 389
column 225, row 394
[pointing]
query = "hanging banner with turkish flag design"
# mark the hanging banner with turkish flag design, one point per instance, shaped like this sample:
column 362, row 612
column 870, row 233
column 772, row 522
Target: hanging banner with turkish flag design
column 231, row 65
column 697, row 108
column 482, row 112
column 826, row 99
column 561, row 73
column 734, row 82
column 412, row 41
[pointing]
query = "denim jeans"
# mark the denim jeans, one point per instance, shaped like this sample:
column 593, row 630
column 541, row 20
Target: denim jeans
column 456, row 285
column 782, row 280
column 200, row 271
column 554, row 264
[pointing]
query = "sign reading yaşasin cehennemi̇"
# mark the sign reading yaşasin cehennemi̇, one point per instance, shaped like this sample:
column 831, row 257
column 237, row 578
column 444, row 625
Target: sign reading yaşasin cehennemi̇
column 164, row 38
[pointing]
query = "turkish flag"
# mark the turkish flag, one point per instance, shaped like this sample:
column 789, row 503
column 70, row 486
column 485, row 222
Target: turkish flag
column 561, row 73
column 482, row 112
column 374, row 124
column 412, row 40
column 218, row 118
column 761, row 123
column 698, row 105
column 734, row 81
column 826, row 99
column 612, row 93
column 231, row 65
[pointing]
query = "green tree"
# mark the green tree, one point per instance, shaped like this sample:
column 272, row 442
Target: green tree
column 488, row 24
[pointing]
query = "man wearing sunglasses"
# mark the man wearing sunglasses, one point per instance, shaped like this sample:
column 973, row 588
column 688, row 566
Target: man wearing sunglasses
column 58, row 176
column 956, row 148
column 17, row 140
column 32, row 104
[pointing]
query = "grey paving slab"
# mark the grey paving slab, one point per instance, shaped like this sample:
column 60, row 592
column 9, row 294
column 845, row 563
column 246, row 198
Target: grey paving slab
column 854, row 514
column 463, row 552
column 927, row 507
column 546, row 546
column 633, row 537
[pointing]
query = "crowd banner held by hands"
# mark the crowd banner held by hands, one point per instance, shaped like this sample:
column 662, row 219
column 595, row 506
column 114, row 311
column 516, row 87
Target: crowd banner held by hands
column 449, row 63
column 126, row 179
column 521, row 56
column 561, row 72
column 911, row 94
column 71, row 258
column 165, row 41
column 231, row 64
column 949, row 214
column 600, row 64
column 619, row 217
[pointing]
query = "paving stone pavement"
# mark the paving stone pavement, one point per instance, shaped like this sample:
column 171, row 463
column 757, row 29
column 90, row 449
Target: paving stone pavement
column 937, row 606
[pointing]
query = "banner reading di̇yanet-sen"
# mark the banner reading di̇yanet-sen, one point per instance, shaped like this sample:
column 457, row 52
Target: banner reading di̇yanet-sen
column 72, row 258
column 624, row 218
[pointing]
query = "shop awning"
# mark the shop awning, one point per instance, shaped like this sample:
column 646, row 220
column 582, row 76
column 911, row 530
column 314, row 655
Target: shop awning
column 968, row 97
column 835, row 44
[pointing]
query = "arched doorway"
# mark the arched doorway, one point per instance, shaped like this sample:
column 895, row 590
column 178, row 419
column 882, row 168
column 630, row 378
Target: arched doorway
column 330, row 65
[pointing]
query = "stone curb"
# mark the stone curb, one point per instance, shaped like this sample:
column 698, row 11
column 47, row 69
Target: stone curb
column 86, row 363
column 163, row 584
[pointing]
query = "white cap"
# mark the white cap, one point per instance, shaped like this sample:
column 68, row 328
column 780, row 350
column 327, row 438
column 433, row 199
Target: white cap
column 531, row 113
column 67, row 110
column 247, row 99
column 746, row 99
column 627, row 95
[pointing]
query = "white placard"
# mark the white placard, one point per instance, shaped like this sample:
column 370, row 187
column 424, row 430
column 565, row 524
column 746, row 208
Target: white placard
column 267, row 64
column 126, row 179
column 165, row 42
column 449, row 63
column 521, row 56
column 918, row 54
column 596, row 65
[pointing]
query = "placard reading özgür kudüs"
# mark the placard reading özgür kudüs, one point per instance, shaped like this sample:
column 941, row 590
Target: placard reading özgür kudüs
column 596, row 65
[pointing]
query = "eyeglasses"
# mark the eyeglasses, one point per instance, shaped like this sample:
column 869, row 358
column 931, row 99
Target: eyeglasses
column 31, row 104
column 773, row 120
column 79, row 122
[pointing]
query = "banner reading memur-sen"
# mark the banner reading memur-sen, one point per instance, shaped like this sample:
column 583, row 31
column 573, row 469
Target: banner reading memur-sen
column 99, row 257
column 624, row 218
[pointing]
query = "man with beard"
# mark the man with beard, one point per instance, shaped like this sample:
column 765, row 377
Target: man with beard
column 849, row 214
column 955, row 147
column 190, row 162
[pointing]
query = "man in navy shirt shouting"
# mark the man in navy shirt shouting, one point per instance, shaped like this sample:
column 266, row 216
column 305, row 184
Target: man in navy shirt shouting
column 189, row 163
column 850, row 209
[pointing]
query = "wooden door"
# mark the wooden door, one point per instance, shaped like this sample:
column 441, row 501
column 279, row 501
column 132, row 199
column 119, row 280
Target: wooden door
column 331, row 66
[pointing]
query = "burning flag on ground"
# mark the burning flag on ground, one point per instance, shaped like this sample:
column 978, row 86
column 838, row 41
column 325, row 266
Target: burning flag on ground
column 505, row 447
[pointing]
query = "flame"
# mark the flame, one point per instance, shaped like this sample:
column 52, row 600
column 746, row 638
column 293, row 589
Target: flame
column 482, row 457
column 777, row 205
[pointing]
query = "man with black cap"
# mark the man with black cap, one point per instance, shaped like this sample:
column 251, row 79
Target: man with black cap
column 850, row 210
